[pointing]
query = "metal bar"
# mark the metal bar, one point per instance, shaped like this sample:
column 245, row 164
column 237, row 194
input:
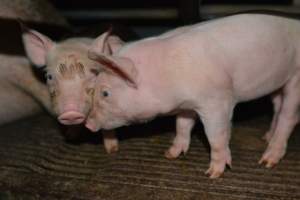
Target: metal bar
column 168, row 13
column 219, row 10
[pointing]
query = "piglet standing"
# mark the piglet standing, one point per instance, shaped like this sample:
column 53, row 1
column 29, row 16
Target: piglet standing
column 70, row 76
column 204, row 70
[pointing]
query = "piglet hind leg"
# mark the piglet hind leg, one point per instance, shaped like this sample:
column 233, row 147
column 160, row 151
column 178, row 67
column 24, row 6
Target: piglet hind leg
column 184, row 124
column 277, row 102
column 288, row 117
column 110, row 141
column 216, row 118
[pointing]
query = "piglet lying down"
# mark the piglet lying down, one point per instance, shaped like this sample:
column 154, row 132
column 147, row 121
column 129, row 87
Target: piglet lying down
column 203, row 70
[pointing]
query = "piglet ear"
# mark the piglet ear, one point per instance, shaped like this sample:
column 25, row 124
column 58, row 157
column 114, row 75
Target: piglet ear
column 114, row 43
column 100, row 44
column 36, row 45
column 121, row 66
column 106, row 43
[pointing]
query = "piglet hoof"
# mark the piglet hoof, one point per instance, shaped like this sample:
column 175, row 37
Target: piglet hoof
column 111, row 145
column 175, row 150
column 169, row 155
column 213, row 173
column 172, row 153
column 217, row 167
column 272, row 156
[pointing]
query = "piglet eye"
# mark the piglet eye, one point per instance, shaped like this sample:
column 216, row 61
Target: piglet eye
column 94, row 71
column 49, row 77
column 105, row 93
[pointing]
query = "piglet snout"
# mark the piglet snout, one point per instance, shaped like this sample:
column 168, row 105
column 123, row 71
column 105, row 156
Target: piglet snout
column 71, row 117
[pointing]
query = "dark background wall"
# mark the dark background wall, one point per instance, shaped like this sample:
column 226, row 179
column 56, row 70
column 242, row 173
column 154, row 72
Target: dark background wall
column 152, row 17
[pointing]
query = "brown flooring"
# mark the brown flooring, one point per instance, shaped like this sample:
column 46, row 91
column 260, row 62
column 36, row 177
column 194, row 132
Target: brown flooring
column 36, row 162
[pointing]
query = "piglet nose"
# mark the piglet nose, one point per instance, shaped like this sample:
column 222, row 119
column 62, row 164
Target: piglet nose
column 71, row 117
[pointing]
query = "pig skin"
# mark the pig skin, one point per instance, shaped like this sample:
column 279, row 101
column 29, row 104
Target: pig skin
column 204, row 69
column 16, row 99
column 69, row 75
column 22, row 94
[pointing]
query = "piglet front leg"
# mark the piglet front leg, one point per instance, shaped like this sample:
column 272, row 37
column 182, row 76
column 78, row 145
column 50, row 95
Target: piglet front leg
column 110, row 141
column 184, row 125
column 216, row 118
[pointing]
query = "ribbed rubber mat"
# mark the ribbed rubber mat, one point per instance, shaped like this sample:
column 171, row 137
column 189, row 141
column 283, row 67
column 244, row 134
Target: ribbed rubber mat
column 37, row 163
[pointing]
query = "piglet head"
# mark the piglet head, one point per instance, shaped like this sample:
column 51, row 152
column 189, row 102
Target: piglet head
column 71, row 88
column 70, row 74
column 115, row 93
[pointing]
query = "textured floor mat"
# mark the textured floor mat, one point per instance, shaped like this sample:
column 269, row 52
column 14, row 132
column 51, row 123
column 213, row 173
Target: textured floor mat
column 37, row 163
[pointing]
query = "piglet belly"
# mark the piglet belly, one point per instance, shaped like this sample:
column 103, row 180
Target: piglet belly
column 254, row 84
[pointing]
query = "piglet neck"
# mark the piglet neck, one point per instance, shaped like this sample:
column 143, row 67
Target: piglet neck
column 145, row 107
